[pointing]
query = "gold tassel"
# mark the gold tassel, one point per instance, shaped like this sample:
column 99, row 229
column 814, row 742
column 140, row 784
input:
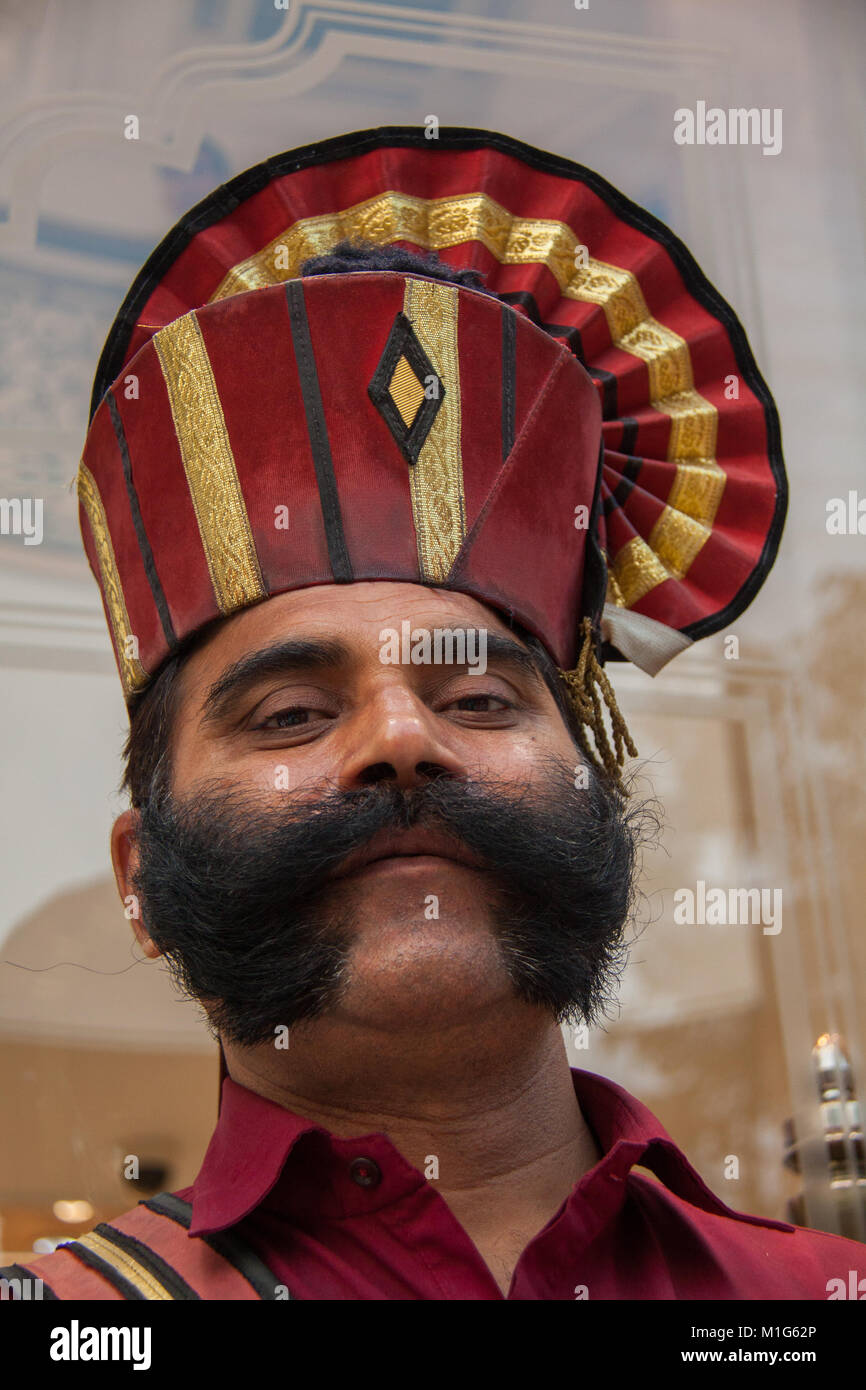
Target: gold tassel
column 584, row 684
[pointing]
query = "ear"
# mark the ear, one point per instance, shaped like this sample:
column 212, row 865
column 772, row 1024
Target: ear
column 124, row 858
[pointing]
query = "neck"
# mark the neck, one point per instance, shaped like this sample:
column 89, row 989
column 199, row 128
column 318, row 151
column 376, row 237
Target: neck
column 495, row 1105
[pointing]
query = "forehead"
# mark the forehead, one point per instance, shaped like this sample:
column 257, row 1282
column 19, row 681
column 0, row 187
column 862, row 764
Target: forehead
column 356, row 613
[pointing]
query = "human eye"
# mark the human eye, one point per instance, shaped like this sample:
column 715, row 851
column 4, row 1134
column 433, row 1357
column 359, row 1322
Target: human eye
column 293, row 717
column 473, row 702
column 484, row 703
column 293, row 713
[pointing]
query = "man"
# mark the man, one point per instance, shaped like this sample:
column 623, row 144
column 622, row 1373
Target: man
column 367, row 522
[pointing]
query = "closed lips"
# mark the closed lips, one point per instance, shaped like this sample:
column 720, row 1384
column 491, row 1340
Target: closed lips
column 403, row 844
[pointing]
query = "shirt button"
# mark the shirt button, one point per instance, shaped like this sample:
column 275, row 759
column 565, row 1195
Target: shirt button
column 365, row 1172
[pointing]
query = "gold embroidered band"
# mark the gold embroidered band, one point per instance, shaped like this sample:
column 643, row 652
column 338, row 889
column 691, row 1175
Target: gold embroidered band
column 132, row 673
column 687, row 520
column 436, row 477
column 209, row 465
column 435, row 223
column 124, row 1263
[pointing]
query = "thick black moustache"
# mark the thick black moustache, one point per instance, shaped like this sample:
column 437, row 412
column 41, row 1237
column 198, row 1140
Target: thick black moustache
column 238, row 895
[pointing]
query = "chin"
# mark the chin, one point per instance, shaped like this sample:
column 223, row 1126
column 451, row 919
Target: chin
column 411, row 975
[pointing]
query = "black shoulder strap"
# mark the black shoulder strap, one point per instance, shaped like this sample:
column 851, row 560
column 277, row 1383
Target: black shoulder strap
column 232, row 1247
column 128, row 1257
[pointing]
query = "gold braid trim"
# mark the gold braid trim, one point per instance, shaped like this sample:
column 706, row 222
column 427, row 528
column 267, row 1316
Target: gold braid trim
column 584, row 684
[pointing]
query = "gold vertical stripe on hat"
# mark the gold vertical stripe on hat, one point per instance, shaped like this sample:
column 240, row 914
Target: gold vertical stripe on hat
column 126, row 1265
column 132, row 673
column 436, row 477
column 435, row 223
column 209, row 464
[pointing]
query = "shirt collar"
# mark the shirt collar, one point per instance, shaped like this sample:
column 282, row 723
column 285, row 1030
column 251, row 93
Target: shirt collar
column 246, row 1154
column 254, row 1138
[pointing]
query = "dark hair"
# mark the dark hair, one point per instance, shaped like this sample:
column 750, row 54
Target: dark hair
column 152, row 713
column 365, row 255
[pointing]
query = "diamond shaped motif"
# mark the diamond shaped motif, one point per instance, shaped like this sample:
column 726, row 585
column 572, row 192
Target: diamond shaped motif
column 406, row 389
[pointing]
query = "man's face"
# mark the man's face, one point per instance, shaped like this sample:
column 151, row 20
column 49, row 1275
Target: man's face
column 298, row 754
column 354, row 719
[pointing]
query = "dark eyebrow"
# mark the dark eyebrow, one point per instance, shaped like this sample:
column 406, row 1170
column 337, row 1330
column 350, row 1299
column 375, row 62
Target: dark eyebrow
column 280, row 659
column 297, row 654
column 510, row 653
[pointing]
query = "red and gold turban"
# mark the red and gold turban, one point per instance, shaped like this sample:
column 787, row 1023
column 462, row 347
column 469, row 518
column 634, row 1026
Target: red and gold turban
column 591, row 449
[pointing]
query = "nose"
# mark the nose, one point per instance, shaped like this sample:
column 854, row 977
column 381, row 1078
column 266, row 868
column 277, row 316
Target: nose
column 397, row 738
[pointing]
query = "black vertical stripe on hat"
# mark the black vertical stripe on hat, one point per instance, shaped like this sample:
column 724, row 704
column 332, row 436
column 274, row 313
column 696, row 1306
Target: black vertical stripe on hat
column 509, row 336
column 156, row 588
column 595, row 565
column 562, row 332
column 338, row 553
column 629, row 435
column 607, row 381
column 630, row 474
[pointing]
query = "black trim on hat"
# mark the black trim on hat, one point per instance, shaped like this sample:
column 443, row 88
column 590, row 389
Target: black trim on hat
column 138, row 522
column 229, row 196
column 509, row 344
column 608, row 383
column 567, row 333
column 403, row 342
column 317, row 429
column 620, row 494
column 594, row 565
column 628, row 438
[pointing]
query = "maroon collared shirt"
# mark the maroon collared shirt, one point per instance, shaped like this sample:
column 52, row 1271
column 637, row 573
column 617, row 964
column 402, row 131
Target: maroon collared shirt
column 352, row 1219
